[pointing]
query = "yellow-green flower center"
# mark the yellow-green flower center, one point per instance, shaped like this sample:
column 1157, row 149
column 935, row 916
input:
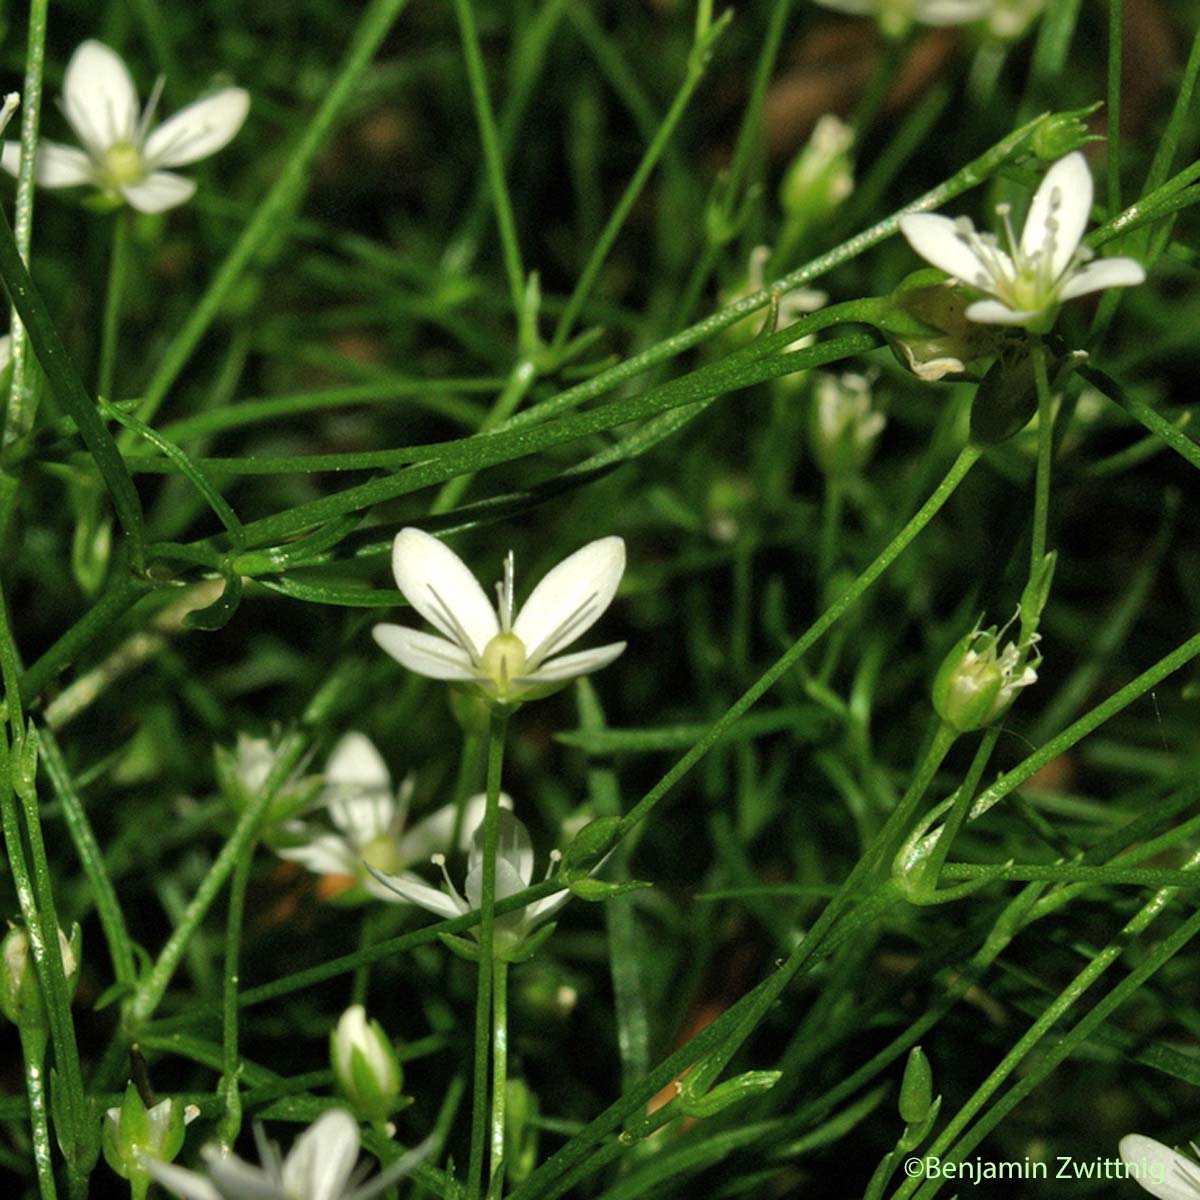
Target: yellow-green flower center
column 123, row 164
column 503, row 661
column 383, row 854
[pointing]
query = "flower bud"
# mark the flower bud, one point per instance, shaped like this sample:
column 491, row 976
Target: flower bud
column 821, row 176
column 20, row 992
column 365, row 1065
column 916, row 1089
column 520, row 1131
column 977, row 681
column 844, row 423
column 243, row 772
column 133, row 1133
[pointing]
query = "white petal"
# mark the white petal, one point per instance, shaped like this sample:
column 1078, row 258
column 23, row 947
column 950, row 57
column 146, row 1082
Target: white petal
column 159, row 191
column 1065, row 196
column 235, row 1177
column 949, row 12
column 856, row 8
column 324, row 854
column 568, row 666
column 424, row 653
column 1145, row 1159
column 187, row 1184
column 199, row 130
column 57, row 165
column 541, row 910
column 323, row 1157
column 937, row 240
column 416, row 891
column 99, row 98
column 508, row 883
column 358, row 789
column 1103, row 273
column 432, row 834
column 571, row 598
column 993, row 312
column 438, row 584
column 513, row 844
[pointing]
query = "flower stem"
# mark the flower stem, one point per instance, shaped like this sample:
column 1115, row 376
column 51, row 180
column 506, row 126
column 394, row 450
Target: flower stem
column 230, row 1123
column 33, row 1052
column 487, row 928
column 1041, row 495
column 499, row 1062
column 831, row 525
column 117, row 271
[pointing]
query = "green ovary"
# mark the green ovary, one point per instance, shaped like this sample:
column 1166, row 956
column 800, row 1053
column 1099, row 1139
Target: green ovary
column 383, row 854
column 503, row 660
column 123, row 164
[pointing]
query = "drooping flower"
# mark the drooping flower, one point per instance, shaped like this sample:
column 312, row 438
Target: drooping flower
column 368, row 816
column 121, row 155
column 1161, row 1171
column 510, row 656
column 319, row 1166
column 1026, row 282
column 514, row 873
column 896, row 17
column 845, row 423
column 978, row 680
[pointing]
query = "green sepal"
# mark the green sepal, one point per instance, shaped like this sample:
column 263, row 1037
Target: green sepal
column 732, row 1091
column 460, row 946
column 1006, row 399
column 590, row 846
column 530, row 946
column 597, row 889
column 915, row 1134
column 220, row 612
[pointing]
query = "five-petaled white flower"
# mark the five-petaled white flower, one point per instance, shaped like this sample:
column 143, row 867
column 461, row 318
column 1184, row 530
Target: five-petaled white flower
column 368, row 816
column 895, row 17
column 1161, row 1171
column 514, row 873
column 509, row 655
column 1027, row 282
column 120, row 153
column 319, row 1166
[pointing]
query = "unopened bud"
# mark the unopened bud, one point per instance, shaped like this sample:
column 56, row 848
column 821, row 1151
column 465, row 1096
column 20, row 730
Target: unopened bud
column 133, row 1134
column 821, row 176
column 365, row 1065
column 978, row 680
column 1058, row 134
column 844, row 424
column 20, row 992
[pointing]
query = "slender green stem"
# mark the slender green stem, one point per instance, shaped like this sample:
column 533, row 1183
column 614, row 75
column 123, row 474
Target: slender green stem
column 1045, row 445
column 831, row 525
column 69, row 389
column 487, row 929
column 492, row 152
column 230, row 1123
column 499, row 1064
column 624, row 206
column 1113, row 116
column 958, row 471
column 278, row 203
column 118, row 270
column 33, row 1054
column 91, row 858
column 22, row 393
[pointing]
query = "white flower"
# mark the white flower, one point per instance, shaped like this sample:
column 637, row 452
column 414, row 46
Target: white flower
column 896, row 16
column 1160, row 1170
column 514, row 873
column 977, row 680
column 319, row 1166
column 1028, row 281
column 120, row 153
column 509, row 656
column 369, row 816
column 845, row 423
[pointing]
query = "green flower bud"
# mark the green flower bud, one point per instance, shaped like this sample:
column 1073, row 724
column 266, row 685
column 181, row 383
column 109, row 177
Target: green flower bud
column 589, row 847
column 821, row 176
column 20, row 992
column 365, row 1065
column 977, row 680
column 916, row 1090
column 133, row 1133
column 1058, row 134
column 844, row 423
column 520, row 1131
